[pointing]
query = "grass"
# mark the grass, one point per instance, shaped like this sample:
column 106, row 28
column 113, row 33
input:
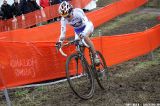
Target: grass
column 102, row 3
column 152, row 4
column 123, row 20
column 21, row 93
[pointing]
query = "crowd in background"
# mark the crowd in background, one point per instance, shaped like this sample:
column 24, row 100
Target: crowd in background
column 23, row 7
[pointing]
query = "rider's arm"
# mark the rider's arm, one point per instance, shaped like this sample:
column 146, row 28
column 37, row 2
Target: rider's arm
column 82, row 15
column 86, row 21
column 63, row 30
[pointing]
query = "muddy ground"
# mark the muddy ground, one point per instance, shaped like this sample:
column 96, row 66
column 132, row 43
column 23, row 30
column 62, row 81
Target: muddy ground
column 130, row 83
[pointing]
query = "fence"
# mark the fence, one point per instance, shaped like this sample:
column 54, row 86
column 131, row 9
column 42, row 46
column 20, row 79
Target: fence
column 28, row 52
column 39, row 16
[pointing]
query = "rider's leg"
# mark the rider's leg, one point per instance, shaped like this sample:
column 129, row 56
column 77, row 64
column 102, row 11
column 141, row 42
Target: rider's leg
column 88, row 31
column 90, row 43
column 87, row 41
column 77, row 38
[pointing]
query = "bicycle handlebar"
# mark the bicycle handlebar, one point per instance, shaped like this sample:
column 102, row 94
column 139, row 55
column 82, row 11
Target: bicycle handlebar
column 60, row 49
column 63, row 54
column 69, row 43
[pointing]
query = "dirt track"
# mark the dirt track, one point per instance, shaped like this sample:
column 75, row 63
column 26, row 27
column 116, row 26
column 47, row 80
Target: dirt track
column 136, row 81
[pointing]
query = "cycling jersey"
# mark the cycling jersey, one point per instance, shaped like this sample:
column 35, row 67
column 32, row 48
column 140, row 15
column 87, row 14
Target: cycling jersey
column 79, row 21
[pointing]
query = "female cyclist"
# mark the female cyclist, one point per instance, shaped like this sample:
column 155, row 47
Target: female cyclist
column 83, row 27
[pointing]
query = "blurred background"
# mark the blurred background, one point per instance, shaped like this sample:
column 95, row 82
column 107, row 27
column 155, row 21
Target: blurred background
column 11, row 1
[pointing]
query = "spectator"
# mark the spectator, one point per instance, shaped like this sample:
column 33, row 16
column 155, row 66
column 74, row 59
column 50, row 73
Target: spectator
column 53, row 2
column 33, row 5
column 7, row 10
column 1, row 14
column 66, row 0
column 44, row 3
column 1, row 22
column 24, row 6
column 16, row 8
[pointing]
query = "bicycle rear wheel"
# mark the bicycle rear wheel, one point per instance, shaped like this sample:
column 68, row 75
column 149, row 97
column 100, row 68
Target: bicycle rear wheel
column 101, row 71
column 80, row 77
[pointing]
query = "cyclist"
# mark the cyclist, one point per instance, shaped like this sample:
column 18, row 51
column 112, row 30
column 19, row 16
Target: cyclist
column 83, row 27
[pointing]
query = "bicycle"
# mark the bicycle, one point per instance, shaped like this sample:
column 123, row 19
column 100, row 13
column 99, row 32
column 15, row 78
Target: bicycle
column 89, row 71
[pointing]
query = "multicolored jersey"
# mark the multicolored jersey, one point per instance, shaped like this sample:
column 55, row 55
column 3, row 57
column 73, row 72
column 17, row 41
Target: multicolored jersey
column 79, row 21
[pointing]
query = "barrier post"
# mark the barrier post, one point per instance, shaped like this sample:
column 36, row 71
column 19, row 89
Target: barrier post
column 14, row 24
column 39, row 23
column 5, row 91
column 99, row 33
column 152, row 55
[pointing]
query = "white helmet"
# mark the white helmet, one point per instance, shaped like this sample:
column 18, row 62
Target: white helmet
column 65, row 9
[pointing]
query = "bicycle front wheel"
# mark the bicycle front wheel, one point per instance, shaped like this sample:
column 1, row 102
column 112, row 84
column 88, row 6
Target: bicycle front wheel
column 79, row 76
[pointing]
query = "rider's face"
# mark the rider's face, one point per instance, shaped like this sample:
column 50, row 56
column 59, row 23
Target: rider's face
column 68, row 16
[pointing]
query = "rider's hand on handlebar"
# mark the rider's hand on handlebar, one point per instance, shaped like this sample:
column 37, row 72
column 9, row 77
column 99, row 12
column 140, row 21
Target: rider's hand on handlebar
column 58, row 44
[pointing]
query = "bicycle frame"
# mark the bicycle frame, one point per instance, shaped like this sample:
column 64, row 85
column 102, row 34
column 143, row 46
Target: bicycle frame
column 79, row 50
column 81, row 54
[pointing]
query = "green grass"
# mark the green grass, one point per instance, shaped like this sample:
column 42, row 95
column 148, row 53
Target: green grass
column 152, row 4
column 21, row 93
column 125, row 19
column 102, row 3
column 146, row 65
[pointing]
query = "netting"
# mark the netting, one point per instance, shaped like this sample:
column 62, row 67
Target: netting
column 29, row 55
column 36, row 17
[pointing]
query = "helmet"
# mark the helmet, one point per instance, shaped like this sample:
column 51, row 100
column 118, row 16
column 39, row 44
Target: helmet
column 65, row 9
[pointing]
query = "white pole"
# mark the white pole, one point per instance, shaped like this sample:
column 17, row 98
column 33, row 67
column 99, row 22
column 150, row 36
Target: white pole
column 99, row 32
column 7, row 97
column 5, row 91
